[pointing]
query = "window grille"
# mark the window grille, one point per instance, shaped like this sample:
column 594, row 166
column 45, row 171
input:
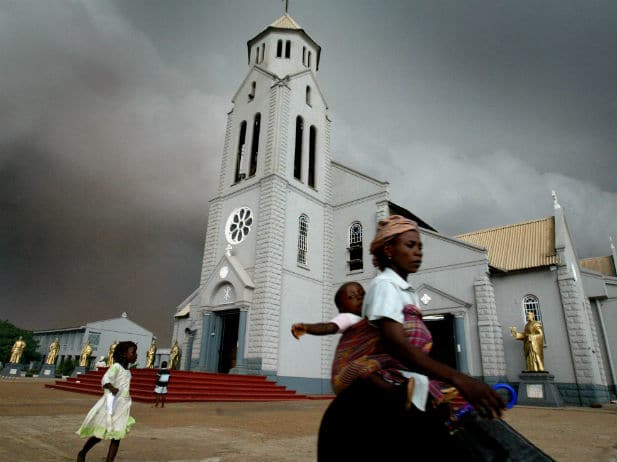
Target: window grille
column 355, row 247
column 531, row 303
column 302, row 239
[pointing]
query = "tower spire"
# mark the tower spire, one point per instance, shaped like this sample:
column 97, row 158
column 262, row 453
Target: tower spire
column 286, row 6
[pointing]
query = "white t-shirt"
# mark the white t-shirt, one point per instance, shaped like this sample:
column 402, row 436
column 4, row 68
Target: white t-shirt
column 345, row 320
column 387, row 295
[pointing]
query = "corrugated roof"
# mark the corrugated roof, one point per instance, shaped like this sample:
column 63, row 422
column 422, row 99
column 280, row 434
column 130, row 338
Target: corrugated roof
column 603, row 265
column 286, row 22
column 530, row 244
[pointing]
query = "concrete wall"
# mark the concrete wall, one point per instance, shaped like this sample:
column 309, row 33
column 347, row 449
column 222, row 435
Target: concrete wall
column 101, row 335
column 455, row 280
column 509, row 292
column 300, row 302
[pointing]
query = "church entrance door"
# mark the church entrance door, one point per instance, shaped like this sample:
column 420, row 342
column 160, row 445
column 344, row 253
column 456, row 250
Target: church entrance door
column 444, row 344
column 228, row 346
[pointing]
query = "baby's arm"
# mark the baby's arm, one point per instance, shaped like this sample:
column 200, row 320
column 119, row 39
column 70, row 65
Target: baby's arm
column 320, row 328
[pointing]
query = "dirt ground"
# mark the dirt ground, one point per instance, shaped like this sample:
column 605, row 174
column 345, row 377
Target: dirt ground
column 38, row 424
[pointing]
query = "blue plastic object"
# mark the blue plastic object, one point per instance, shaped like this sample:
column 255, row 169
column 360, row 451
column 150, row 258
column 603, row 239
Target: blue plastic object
column 466, row 409
column 513, row 396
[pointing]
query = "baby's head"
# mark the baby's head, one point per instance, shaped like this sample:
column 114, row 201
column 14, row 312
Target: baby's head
column 164, row 364
column 349, row 298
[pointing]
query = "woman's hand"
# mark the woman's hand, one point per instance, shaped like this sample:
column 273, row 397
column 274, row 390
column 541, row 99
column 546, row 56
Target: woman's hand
column 482, row 397
column 486, row 401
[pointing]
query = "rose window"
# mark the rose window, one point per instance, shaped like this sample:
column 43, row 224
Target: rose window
column 238, row 225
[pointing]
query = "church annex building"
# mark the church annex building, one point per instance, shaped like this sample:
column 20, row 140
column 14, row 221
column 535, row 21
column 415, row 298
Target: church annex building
column 288, row 224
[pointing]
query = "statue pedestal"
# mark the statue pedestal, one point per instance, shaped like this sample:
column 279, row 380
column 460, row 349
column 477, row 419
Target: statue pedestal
column 12, row 370
column 47, row 371
column 78, row 370
column 538, row 389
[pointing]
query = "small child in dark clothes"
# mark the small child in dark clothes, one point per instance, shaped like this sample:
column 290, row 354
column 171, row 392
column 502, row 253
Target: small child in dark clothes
column 162, row 379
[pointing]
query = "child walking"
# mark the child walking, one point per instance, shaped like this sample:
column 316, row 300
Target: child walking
column 109, row 418
column 162, row 379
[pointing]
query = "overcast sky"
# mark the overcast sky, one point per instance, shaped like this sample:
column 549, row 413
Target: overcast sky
column 112, row 117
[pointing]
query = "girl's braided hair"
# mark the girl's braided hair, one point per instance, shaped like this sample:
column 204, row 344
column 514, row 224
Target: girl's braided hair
column 121, row 349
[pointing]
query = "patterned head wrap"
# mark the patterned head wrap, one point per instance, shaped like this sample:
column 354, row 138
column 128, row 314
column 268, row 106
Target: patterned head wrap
column 388, row 229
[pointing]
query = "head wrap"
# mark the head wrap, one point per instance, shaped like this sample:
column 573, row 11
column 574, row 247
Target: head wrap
column 389, row 228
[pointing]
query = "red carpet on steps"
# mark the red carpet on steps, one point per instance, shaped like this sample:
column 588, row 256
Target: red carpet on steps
column 189, row 386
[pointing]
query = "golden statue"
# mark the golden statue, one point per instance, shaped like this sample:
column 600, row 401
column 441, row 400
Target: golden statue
column 174, row 356
column 150, row 355
column 86, row 351
column 533, row 342
column 110, row 353
column 54, row 348
column 18, row 349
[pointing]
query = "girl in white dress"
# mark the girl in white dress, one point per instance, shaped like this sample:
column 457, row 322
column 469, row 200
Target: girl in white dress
column 109, row 418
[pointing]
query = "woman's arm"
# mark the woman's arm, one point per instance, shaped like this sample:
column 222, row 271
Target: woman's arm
column 320, row 328
column 482, row 397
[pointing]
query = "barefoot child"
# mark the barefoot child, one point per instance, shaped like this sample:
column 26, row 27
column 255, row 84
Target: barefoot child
column 162, row 379
column 379, row 369
column 109, row 418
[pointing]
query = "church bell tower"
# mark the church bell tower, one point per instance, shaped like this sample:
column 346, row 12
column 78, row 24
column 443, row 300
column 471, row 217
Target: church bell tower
column 269, row 224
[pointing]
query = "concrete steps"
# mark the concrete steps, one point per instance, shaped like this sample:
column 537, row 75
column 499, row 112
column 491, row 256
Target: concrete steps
column 187, row 386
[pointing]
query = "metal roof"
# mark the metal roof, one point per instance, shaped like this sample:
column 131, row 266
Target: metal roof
column 286, row 22
column 526, row 245
column 602, row 265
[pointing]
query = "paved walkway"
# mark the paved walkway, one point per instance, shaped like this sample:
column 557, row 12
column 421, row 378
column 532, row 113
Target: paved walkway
column 38, row 425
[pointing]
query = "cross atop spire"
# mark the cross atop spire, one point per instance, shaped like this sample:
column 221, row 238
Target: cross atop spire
column 555, row 202
column 286, row 6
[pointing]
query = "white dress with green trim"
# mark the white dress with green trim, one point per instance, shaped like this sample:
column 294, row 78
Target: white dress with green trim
column 109, row 418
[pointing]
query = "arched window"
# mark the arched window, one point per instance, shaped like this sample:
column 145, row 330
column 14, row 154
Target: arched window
column 252, row 92
column 263, row 51
column 288, row 49
column 309, row 59
column 257, row 55
column 304, row 55
column 240, row 155
column 302, row 238
column 532, row 304
column 312, row 155
column 355, row 246
column 298, row 149
column 255, row 144
column 279, row 48
column 308, row 95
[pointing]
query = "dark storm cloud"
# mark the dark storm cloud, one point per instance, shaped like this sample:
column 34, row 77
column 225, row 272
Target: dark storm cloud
column 477, row 110
column 104, row 168
column 113, row 118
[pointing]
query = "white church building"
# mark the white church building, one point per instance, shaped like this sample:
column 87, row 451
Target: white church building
column 288, row 225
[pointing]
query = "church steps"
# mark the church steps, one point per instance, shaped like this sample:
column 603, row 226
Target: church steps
column 186, row 386
column 209, row 383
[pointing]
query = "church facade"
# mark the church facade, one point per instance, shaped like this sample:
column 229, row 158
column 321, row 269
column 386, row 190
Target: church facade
column 288, row 225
